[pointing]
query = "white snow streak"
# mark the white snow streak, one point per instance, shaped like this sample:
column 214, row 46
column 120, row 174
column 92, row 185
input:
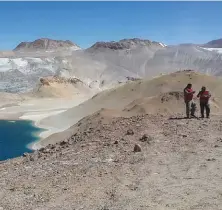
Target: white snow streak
column 218, row 50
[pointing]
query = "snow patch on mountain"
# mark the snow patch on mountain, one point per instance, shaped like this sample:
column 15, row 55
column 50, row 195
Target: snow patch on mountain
column 26, row 65
column 161, row 44
column 218, row 50
column 4, row 64
column 106, row 64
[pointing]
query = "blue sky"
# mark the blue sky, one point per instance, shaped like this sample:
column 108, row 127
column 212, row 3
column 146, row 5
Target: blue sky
column 87, row 22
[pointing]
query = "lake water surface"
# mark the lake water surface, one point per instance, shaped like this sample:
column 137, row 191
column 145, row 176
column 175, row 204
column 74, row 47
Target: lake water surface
column 15, row 137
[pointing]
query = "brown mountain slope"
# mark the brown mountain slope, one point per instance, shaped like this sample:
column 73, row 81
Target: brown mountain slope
column 148, row 90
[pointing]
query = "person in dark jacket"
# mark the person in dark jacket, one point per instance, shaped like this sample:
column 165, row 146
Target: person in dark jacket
column 188, row 99
column 204, row 96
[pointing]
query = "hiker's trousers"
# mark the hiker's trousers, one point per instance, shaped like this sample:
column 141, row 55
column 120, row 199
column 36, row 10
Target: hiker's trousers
column 190, row 108
column 204, row 106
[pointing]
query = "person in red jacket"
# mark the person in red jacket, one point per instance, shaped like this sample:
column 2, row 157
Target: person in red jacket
column 188, row 99
column 204, row 96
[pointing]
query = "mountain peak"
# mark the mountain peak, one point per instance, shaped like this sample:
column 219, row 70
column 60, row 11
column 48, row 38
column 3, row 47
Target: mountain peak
column 125, row 44
column 217, row 43
column 46, row 44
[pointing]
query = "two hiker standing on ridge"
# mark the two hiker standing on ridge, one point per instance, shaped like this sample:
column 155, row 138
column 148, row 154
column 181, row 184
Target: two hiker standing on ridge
column 204, row 96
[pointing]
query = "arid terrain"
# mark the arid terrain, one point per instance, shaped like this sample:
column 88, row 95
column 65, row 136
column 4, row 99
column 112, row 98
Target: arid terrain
column 125, row 148
column 115, row 135
column 178, row 167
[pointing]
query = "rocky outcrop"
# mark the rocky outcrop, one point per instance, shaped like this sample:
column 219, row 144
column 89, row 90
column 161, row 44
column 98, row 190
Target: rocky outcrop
column 59, row 80
column 178, row 95
column 44, row 81
column 60, row 87
column 46, row 44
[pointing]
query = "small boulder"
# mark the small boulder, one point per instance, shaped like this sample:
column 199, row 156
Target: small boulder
column 137, row 148
column 31, row 158
column 25, row 154
column 216, row 146
column 39, row 155
column 64, row 142
column 146, row 138
column 211, row 159
column 53, row 147
column 130, row 132
column 41, row 149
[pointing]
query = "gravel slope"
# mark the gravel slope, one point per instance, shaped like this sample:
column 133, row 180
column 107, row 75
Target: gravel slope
column 179, row 167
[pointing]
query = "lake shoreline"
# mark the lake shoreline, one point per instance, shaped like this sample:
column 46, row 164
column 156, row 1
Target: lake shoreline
column 38, row 111
column 43, row 134
column 15, row 144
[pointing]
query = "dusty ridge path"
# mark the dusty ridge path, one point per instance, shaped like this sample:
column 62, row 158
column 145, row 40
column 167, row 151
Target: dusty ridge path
column 179, row 167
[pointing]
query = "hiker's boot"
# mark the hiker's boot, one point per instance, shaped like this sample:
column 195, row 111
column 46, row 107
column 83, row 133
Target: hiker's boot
column 194, row 116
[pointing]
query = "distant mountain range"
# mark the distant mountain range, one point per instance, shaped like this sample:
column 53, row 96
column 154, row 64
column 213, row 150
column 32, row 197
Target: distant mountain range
column 104, row 64
column 46, row 44
column 50, row 44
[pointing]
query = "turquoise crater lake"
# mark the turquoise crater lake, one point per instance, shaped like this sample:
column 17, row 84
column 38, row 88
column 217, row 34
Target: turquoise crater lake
column 15, row 136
